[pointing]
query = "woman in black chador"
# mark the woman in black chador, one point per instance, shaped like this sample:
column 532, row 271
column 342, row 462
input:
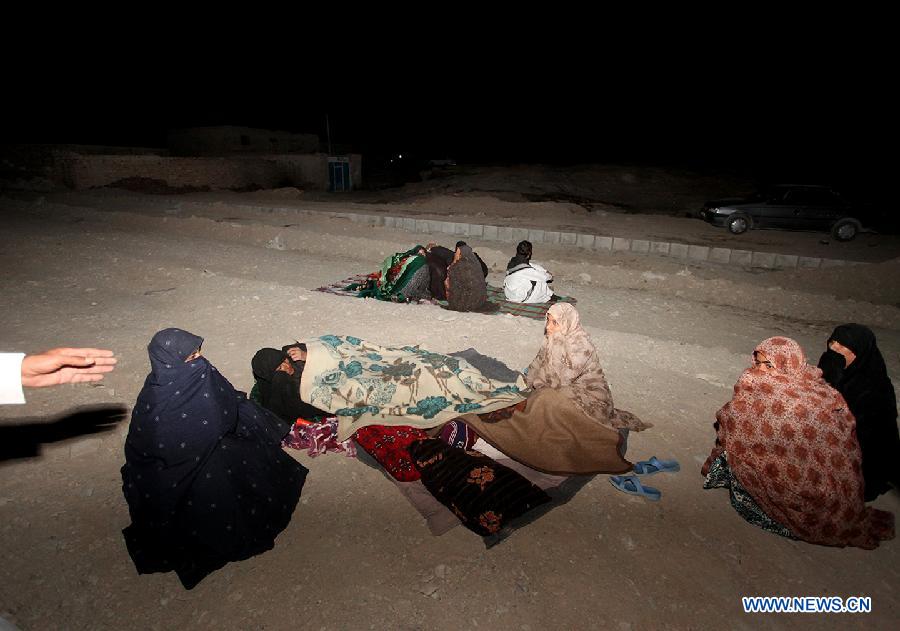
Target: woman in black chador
column 205, row 477
column 278, row 375
column 853, row 365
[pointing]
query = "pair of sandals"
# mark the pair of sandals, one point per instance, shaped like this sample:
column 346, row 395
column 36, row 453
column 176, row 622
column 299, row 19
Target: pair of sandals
column 632, row 485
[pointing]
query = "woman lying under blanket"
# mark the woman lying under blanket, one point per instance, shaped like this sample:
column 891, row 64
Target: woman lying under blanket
column 568, row 424
column 277, row 389
column 422, row 273
column 403, row 277
column 363, row 383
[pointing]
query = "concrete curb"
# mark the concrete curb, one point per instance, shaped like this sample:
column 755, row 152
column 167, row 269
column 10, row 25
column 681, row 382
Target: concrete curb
column 506, row 234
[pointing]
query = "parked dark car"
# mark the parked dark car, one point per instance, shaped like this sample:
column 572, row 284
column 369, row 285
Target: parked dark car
column 797, row 207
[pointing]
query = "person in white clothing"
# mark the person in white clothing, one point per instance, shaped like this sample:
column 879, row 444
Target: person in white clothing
column 526, row 281
column 51, row 368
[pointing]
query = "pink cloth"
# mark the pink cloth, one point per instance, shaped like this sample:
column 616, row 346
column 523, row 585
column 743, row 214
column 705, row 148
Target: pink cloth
column 318, row 438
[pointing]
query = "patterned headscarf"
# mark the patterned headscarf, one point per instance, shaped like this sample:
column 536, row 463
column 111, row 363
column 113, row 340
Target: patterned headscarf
column 569, row 360
column 791, row 442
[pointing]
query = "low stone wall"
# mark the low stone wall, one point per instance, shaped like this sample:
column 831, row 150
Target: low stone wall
column 688, row 253
column 683, row 251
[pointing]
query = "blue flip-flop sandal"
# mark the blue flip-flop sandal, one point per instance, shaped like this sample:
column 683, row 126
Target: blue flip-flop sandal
column 631, row 485
column 655, row 465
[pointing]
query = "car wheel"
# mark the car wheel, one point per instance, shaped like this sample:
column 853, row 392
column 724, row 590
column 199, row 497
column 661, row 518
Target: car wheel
column 738, row 223
column 845, row 229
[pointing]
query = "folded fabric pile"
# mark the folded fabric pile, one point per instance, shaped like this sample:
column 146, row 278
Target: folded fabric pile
column 390, row 447
column 483, row 494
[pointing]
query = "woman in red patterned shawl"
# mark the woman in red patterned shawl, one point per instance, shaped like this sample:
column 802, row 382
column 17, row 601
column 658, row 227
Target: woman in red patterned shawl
column 786, row 448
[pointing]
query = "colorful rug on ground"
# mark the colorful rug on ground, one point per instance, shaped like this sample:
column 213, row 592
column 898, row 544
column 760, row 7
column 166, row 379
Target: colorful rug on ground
column 495, row 295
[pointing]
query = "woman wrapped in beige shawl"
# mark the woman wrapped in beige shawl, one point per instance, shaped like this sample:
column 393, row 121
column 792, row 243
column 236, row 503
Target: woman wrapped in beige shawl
column 568, row 425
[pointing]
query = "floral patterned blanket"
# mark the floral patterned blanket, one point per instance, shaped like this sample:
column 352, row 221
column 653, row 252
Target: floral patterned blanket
column 367, row 384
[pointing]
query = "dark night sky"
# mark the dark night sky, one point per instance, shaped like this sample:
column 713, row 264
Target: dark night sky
column 819, row 109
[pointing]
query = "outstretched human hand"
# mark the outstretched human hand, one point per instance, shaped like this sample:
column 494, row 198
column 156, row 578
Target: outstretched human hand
column 66, row 365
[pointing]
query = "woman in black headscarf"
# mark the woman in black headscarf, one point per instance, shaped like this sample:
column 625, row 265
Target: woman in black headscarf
column 205, row 477
column 277, row 376
column 853, row 365
column 465, row 285
column 439, row 260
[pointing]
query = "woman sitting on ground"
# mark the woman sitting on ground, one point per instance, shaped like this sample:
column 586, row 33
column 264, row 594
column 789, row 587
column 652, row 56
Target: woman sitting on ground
column 277, row 375
column 205, row 477
column 465, row 286
column 786, row 448
column 568, row 425
column 404, row 277
column 525, row 281
column 853, row 365
column 439, row 259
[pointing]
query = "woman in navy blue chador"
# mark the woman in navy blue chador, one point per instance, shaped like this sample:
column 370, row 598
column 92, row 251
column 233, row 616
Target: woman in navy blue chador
column 205, row 477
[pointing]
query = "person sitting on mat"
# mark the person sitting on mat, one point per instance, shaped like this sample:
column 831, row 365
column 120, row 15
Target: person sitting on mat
column 525, row 281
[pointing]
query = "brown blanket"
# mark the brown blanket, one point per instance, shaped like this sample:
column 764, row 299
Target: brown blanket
column 548, row 432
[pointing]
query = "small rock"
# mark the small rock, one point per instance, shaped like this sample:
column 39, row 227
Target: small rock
column 584, row 278
column 276, row 243
column 441, row 571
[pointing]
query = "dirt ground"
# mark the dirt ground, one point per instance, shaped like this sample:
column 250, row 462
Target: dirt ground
column 110, row 269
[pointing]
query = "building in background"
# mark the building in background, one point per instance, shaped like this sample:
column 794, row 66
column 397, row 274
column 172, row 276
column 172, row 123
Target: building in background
column 196, row 159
